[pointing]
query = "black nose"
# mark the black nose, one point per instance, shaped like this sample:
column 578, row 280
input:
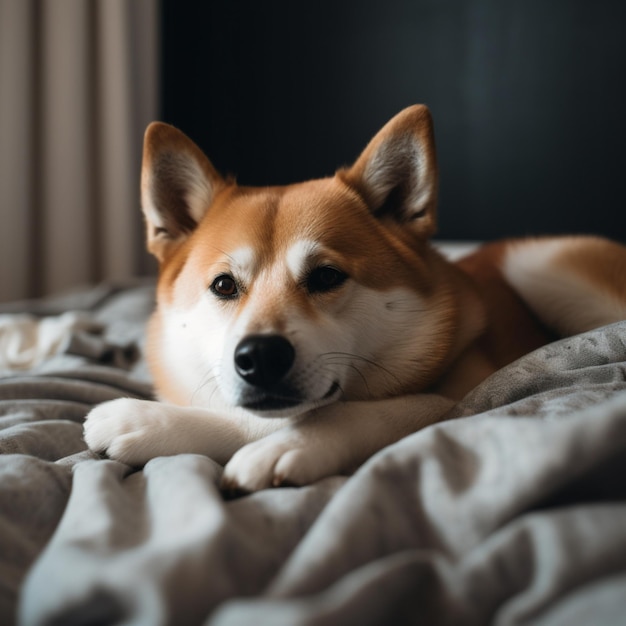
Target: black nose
column 263, row 360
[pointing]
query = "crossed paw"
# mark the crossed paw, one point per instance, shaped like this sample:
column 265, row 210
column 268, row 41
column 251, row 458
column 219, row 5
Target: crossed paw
column 135, row 431
column 127, row 430
column 282, row 458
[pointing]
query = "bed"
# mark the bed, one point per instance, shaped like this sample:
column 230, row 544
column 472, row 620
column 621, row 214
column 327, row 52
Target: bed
column 514, row 512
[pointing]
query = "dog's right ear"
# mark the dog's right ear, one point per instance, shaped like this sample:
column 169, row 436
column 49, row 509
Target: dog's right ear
column 178, row 184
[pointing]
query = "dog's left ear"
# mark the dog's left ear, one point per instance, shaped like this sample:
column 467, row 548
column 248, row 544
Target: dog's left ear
column 397, row 173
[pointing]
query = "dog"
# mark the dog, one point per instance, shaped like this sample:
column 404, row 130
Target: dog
column 300, row 329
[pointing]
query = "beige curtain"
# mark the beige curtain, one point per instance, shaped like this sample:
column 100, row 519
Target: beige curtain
column 78, row 85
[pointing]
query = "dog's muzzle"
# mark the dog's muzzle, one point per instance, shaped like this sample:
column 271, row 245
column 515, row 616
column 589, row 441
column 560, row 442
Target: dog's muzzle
column 264, row 360
column 265, row 363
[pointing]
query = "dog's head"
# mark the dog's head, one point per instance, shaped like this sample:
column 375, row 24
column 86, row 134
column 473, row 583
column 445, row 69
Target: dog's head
column 281, row 299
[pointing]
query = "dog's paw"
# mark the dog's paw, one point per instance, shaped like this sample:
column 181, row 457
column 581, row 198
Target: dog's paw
column 126, row 430
column 282, row 458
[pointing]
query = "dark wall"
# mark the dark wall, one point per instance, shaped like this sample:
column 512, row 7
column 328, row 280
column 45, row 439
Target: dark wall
column 528, row 96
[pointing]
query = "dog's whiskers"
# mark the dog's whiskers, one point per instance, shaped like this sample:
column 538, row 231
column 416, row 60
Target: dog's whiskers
column 399, row 306
column 208, row 379
column 350, row 356
column 347, row 359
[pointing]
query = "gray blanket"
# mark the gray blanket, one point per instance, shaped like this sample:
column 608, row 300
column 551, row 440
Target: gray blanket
column 513, row 513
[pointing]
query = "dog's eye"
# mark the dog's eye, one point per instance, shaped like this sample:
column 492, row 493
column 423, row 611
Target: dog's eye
column 224, row 286
column 325, row 278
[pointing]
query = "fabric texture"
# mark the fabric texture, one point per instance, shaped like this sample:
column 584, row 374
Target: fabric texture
column 26, row 341
column 512, row 513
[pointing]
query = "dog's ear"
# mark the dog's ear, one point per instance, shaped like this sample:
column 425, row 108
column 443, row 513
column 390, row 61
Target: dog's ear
column 397, row 174
column 178, row 184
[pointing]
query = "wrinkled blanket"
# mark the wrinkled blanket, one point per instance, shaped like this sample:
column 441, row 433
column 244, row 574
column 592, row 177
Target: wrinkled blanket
column 512, row 513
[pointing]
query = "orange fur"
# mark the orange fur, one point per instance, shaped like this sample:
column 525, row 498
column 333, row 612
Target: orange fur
column 597, row 261
column 511, row 329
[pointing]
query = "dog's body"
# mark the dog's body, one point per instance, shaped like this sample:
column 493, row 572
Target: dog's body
column 300, row 329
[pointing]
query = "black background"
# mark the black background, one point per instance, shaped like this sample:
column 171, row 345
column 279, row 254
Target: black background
column 528, row 96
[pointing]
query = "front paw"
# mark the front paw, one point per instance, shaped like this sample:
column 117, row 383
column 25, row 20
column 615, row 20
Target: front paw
column 282, row 458
column 124, row 430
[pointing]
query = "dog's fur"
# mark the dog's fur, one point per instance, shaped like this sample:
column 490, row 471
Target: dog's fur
column 300, row 329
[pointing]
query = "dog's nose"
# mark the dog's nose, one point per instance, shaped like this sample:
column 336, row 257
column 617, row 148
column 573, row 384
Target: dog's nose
column 263, row 360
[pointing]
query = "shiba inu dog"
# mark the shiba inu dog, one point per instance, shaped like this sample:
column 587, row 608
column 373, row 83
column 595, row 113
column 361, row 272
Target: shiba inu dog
column 300, row 329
